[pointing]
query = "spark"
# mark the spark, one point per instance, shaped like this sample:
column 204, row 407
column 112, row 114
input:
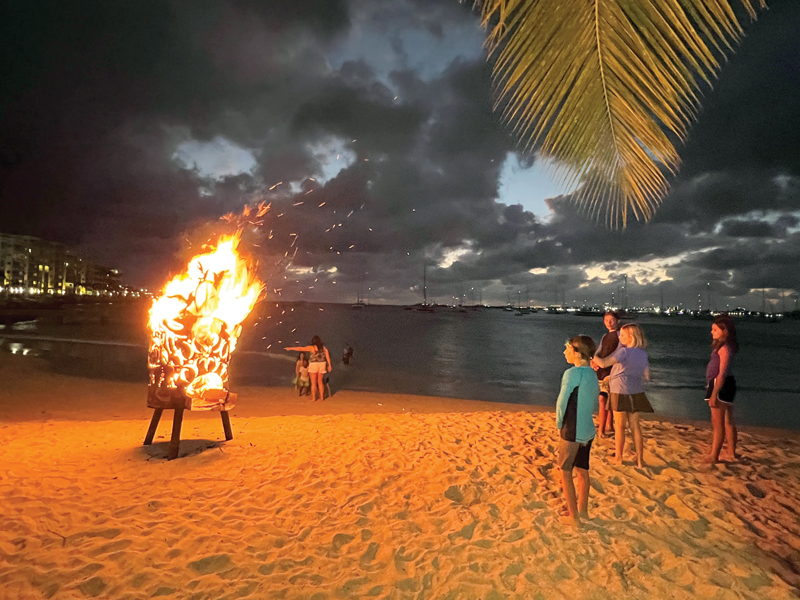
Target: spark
column 274, row 186
column 352, row 246
column 297, row 203
column 321, row 205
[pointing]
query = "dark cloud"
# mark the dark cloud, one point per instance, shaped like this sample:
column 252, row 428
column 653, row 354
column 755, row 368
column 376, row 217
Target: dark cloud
column 751, row 119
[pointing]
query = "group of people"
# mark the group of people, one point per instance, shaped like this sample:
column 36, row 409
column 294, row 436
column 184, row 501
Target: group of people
column 610, row 379
column 313, row 367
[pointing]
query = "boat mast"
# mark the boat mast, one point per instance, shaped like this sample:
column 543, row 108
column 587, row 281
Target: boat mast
column 425, row 283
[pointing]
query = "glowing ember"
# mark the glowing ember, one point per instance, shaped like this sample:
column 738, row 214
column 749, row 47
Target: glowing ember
column 196, row 322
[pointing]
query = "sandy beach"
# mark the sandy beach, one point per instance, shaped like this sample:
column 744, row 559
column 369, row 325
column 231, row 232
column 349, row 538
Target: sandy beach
column 370, row 496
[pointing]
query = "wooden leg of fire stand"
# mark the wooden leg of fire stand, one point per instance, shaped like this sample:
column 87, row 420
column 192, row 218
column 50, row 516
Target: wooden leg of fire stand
column 226, row 424
column 175, row 442
column 148, row 439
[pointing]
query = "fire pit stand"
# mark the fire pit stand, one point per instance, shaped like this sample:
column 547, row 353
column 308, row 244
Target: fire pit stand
column 162, row 398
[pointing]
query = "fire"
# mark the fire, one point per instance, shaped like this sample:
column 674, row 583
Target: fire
column 196, row 322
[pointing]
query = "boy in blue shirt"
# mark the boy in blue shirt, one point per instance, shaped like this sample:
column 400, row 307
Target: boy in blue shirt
column 576, row 403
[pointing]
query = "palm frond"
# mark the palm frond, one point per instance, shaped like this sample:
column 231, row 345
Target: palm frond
column 599, row 85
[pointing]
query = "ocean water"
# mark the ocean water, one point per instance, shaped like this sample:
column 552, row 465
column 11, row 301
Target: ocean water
column 485, row 354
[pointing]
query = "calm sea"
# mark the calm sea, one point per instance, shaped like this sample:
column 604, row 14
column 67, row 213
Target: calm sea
column 484, row 355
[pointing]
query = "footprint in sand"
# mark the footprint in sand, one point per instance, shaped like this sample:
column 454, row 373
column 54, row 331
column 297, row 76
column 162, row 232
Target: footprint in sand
column 340, row 540
column 92, row 588
column 680, row 508
column 211, row 564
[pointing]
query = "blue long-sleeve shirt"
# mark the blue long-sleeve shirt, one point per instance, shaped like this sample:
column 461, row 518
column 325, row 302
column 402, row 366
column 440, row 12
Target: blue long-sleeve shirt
column 576, row 403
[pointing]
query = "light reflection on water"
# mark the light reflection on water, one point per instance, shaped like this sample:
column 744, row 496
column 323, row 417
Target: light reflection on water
column 487, row 355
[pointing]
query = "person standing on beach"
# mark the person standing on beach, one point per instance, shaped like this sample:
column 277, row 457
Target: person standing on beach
column 302, row 378
column 575, row 406
column 630, row 369
column 347, row 354
column 608, row 344
column 721, row 388
column 319, row 363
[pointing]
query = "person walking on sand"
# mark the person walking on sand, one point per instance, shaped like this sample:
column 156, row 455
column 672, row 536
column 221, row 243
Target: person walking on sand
column 608, row 344
column 721, row 388
column 575, row 406
column 319, row 363
column 630, row 369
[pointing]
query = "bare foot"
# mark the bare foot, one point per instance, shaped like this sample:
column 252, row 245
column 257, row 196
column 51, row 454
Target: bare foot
column 618, row 461
column 641, row 464
column 708, row 460
column 569, row 520
column 727, row 457
column 585, row 515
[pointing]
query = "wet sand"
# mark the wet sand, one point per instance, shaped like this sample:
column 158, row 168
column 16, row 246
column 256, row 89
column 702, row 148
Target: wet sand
column 370, row 495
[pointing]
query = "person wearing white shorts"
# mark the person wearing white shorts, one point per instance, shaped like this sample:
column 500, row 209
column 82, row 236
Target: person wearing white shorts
column 319, row 363
column 318, row 367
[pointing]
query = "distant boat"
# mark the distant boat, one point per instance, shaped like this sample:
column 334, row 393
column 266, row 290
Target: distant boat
column 359, row 305
column 424, row 307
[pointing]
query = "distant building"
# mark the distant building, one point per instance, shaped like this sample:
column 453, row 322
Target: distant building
column 32, row 266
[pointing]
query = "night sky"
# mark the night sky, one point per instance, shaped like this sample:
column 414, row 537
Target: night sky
column 125, row 125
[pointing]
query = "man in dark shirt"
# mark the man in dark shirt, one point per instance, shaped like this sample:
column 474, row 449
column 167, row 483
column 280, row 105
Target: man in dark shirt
column 608, row 344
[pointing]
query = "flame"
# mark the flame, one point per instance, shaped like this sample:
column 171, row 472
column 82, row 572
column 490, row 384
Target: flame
column 196, row 322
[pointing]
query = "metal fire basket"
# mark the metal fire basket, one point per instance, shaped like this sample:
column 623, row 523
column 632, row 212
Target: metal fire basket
column 161, row 398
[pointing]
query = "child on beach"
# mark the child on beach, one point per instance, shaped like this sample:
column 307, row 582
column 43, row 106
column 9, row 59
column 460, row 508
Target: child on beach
column 303, row 379
column 630, row 369
column 608, row 344
column 576, row 404
column 721, row 388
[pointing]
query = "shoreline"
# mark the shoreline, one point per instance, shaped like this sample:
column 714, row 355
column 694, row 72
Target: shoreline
column 86, row 399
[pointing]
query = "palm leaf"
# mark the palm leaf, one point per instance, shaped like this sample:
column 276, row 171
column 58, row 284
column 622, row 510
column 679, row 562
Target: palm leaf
column 602, row 85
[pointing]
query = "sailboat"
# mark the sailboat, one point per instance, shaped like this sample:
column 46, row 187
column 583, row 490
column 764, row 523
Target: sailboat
column 424, row 307
column 359, row 305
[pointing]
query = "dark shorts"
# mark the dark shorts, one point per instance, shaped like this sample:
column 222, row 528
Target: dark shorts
column 604, row 387
column 571, row 455
column 630, row 403
column 726, row 393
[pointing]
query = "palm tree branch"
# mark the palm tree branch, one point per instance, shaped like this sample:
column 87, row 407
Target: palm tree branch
column 599, row 84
